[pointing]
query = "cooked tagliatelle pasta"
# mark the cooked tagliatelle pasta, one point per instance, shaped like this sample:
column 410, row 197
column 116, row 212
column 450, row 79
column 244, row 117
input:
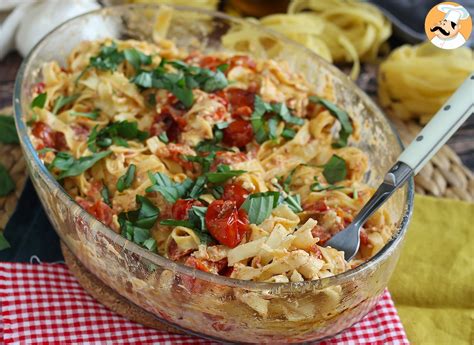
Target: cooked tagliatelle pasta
column 221, row 162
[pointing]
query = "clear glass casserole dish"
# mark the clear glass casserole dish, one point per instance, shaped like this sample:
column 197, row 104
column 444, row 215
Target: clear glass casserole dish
column 300, row 312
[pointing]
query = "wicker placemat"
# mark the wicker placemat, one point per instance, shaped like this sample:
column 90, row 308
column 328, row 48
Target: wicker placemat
column 444, row 176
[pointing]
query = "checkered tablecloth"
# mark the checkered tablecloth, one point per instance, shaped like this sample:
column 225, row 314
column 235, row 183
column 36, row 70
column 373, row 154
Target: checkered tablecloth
column 44, row 304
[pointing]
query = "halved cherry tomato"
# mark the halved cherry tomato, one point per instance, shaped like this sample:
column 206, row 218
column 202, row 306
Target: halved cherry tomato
column 239, row 133
column 210, row 62
column 182, row 206
column 39, row 87
column 235, row 192
column 323, row 234
column 226, row 223
column 240, row 97
column 48, row 136
column 318, row 206
column 171, row 121
column 242, row 60
column 99, row 209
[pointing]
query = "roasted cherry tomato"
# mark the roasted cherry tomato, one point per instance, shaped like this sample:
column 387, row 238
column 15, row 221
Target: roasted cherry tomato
column 182, row 206
column 99, row 209
column 242, row 60
column 239, row 133
column 226, row 223
column 235, row 192
column 49, row 137
column 240, row 97
column 323, row 234
column 210, row 62
column 318, row 206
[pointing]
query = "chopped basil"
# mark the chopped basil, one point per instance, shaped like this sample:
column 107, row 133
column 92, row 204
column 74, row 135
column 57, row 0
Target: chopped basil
column 335, row 169
column 163, row 137
column 45, row 150
column 6, row 183
column 69, row 166
column 105, row 193
column 294, row 203
column 344, row 119
column 175, row 222
column 223, row 173
column 266, row 129
column 150, row 244
column 3, row 242
column 287, row 181
column 39, row 101
column 198, row 187
column 136, row 58
column 217, row 191
column 171, row 191
column 116, row 133
column 62, row 101
column 181, row 83
column 126, row 180
column 318, row 187
column 8, row 133
column 259, row 206
column 211, row 145
column 108, row 59
column 136, row 225
column 288, row 133
column 93, row 115
column 204, row 161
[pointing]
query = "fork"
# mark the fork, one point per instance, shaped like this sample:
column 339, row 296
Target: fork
column 442, row 126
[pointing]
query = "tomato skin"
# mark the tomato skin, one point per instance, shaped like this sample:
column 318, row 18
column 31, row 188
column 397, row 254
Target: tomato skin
column 240, row 97
column 182, row 206
column 49, row 137
column 225, row 223
column 99, row 209
column 210, row 62
column 242, row 60
column 239, row 133
column 235, row 192
column 171, row 121
column 318, row 206
column 323, row 234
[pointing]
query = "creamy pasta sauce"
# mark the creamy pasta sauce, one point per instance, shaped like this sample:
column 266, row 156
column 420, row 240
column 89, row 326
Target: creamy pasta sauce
column 222, row 162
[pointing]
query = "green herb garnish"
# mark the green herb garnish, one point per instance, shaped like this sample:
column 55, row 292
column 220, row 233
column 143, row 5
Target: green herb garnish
column 116, row 133
column 171, row 191
column 223, row 173
column 62, row 101
column 105, row 193
column 318, row 187
column 8, row 133
column 108, row 59
column 163, row 137
column 93, row 115
column 136, row 58
column 294, row 203
column 335, row 169
column 69, row 166
column 135, row 225
column 259, row 206
column 344, row 119
column 126, row 180
column 39, row 101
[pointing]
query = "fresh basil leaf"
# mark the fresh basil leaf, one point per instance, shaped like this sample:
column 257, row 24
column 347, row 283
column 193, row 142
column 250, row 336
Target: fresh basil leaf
column 282, row 110
column 175, row 222
column 318, row 187
column 216, row 82
column 197, row 216
column 184, row 94
column 287, row 181
column 108, row 59
column 3, row 242
column 150, row 244
column 105, row 193
column 143, row 79
column 223, row 67
column 198, row 187
column 335, row 169
column 294, row 203
column 171, row 191
column 204, row 161
column 136, row 58
column 147, row 213
column 39, row 101
column 222, row 174
column 272, row 127
column 126, row 180
column 259, row 206
column 341, row 115
column 222, row 125
column 217, row 191
column 115, row 133
column 70, row 166
column 90, row 115
column 7, row 185
column 288, row 133
column 163, row 137
column 62, row 101
column 8, row 133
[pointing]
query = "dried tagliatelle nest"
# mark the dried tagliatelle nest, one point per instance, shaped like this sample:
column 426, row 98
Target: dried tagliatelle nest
column 415, row 81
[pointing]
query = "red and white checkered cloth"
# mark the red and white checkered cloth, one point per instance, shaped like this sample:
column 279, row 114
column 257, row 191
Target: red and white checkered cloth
column 44, row 304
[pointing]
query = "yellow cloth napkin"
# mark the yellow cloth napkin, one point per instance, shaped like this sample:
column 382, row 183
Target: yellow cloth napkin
column 433, row 284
